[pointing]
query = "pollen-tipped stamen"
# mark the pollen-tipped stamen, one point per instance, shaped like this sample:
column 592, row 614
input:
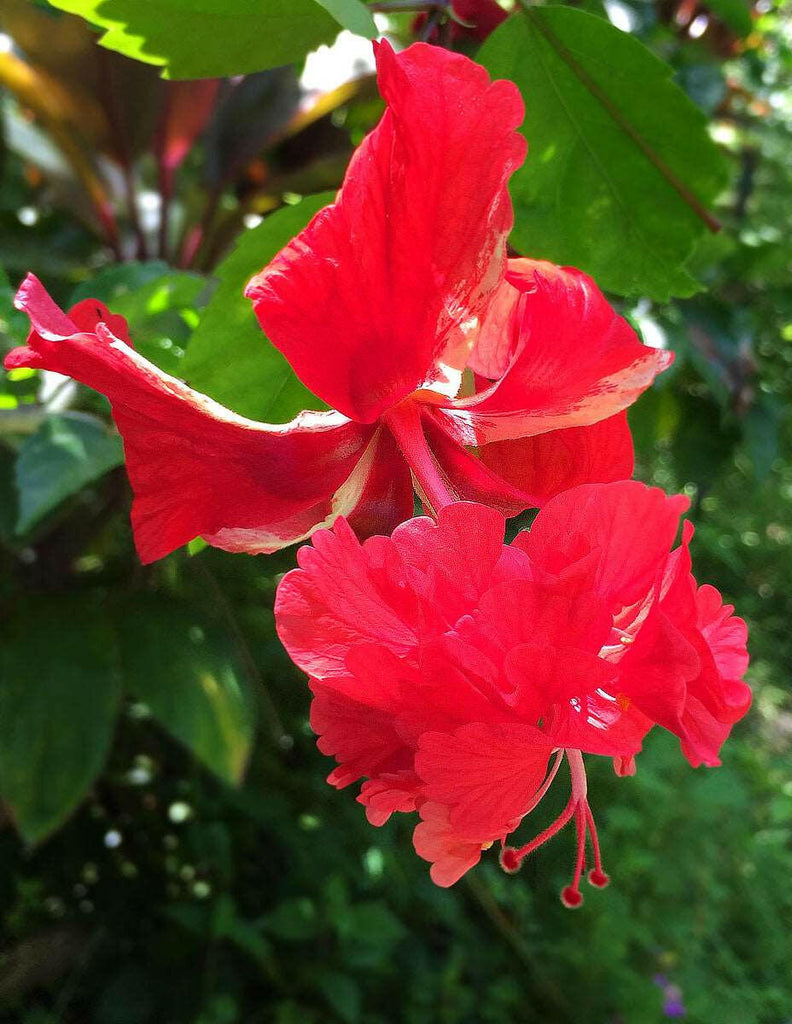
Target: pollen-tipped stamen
column 596, row 876
column 571, row 895
column 511, row 859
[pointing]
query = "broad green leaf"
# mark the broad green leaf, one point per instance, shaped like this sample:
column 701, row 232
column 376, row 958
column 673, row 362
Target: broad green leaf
column 214, row 38
column 229, row 357
column 67, row 452
column 620, row 168
column 59, row 698
column 191, row 679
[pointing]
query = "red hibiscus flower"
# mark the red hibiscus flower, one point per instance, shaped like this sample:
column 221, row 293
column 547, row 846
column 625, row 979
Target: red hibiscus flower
column 379, row 305
column 448, row 669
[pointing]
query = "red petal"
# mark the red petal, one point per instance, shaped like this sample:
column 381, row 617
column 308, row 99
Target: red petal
column 389, row 794
column 450, row 562
column 469, row 478
column 626, row 528
column 196, row 468
column 345, row 595
column 387, row 497
column 361, row 738
column 601, row 727
column 499, row 335
column 576, row 362
column 379, row 285
column 545, row 676
column 726, row 634
column 547, row 464
column 436, row 840
column 485, row 774
column 483, row 15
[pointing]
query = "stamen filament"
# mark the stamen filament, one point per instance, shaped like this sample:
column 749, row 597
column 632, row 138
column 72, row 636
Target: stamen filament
column 571, row 896
column 548, row 833
column 547, row 782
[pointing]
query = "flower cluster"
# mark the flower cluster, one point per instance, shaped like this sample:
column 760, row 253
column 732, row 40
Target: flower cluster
column 454, row 673
column 450, row 669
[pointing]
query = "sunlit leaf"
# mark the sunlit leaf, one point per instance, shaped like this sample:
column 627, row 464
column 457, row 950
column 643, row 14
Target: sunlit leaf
column 620, row 168
column 213, row 38
column 159, row 304
column 229, row 356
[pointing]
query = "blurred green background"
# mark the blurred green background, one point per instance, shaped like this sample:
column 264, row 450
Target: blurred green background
column 169, row 850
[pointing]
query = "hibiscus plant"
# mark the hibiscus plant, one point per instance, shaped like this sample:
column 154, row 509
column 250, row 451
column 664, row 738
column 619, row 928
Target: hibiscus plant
column 414, row 388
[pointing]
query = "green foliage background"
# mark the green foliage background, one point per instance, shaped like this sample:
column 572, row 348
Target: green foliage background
column 169, row 850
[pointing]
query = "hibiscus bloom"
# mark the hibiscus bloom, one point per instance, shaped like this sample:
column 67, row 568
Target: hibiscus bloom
column 379, row 305
column 456, row 673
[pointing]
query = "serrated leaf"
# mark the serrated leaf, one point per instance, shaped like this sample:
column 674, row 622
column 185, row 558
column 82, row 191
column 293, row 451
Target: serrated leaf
column 191, row 679
column 66, row 453
column 620, row 168
column 59, row 700
column 215, row 38
column 229, row 356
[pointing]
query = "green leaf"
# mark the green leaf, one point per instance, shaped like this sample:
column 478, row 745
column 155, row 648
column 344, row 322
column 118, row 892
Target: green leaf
column 354, row 16
column 59, row 699
column 214, row 38
column 66, row 453
column 192, row 681
column 13, row 324
column 735, row 13
column 229, row 357
column 158, row 303
column 620, row 167
column 342, row 993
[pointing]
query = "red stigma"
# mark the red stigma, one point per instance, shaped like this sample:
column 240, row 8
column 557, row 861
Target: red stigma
column 571, row 897
column 509, row 860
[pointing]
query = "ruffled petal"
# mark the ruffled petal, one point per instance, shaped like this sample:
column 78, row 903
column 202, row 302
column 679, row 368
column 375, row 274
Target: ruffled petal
column 389, row 278
column 389, row 794
column 363, row 739
column 625, row 528
column 576, row 361
column 542, row 677
column 545, row 465
column 436, row 840
column 196, row 468
column 726, row 634
column 485, row 774
column 345, row 595
column 450, row 561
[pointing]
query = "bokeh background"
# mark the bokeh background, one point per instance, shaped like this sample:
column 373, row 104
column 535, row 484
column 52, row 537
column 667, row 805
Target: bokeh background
column 169, row 850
